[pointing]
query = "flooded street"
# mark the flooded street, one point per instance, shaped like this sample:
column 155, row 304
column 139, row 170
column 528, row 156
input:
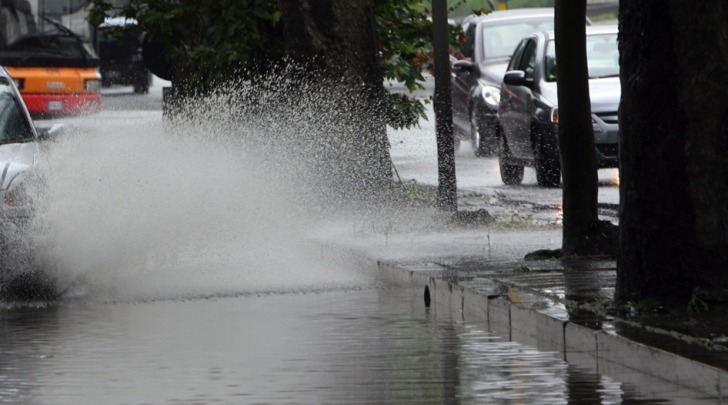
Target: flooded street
column 365, row 346
column 377, row 346
column 189, row 275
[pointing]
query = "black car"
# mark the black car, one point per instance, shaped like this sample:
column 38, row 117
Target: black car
column 121, row 58
column 476, row 79
column 528, row 109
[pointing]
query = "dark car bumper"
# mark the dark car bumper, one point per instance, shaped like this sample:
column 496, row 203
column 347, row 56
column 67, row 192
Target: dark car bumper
column 606, row 138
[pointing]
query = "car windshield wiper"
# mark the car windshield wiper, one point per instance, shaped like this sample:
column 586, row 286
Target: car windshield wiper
column 60, row 27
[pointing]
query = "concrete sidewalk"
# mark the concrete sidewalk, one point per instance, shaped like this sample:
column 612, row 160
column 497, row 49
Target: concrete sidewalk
column 479, row 269
column 559, row 306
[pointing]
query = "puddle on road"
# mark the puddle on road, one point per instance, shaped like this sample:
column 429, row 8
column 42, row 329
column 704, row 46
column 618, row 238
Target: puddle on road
column 337, row 347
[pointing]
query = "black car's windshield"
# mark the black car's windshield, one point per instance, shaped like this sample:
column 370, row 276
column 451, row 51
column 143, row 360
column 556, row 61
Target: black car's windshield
column 500, row 40
column 14, row 127
column 602, row 57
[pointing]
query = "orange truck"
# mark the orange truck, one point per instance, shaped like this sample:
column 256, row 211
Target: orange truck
column 55, row 70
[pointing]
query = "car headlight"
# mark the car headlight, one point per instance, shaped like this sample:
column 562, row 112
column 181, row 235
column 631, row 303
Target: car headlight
column 17, row 196
column 491, row 95
column 19, row 192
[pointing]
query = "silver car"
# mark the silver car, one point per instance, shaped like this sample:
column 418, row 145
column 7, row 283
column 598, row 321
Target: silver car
column 19, row 153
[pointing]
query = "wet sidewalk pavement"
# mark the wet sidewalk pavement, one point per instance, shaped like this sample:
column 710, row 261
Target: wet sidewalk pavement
column 561, row 306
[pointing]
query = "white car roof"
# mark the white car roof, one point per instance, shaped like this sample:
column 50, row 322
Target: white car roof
column 602, row 29
column 517, row 13
column 591, row 30
column 117, row 22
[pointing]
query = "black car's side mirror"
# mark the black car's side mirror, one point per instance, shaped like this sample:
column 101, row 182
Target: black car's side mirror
column 465, row 66
column 516, row 78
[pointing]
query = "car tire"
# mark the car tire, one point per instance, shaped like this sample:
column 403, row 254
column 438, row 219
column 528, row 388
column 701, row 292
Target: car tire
column 548, row 166
column 511, row 174
column 481, row 147
column 141, row 88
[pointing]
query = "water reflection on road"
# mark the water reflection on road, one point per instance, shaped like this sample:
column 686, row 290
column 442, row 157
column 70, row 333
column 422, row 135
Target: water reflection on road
column 361, row 346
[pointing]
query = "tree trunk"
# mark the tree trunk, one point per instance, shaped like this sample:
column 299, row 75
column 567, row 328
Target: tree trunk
column 447, row 183
column 674, row 143
column 576, row 134
column 336, row 43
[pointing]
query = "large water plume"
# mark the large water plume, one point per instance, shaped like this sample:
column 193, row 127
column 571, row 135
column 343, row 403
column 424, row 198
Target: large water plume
column 218, row 201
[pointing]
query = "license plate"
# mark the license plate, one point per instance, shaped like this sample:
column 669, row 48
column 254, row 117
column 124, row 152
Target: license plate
column 55, row 105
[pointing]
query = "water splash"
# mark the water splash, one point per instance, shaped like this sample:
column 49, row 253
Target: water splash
column 218, row 202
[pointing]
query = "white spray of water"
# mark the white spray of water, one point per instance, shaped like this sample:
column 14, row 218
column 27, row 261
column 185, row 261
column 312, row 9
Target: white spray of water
column 140, row 209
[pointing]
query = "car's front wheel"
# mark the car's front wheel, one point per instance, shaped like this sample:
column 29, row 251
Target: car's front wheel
column 481, row 146
column 142, row 79
column 511, row 174
column 548, row 166
column 141, row 87
column 456, row 143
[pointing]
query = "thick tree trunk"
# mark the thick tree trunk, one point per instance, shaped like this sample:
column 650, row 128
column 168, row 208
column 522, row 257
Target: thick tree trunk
column 336, row 43
column 447, row 182
column 576, row 134
column 674, row 143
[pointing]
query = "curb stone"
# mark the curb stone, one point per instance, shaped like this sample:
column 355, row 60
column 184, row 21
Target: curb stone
column 540, row 321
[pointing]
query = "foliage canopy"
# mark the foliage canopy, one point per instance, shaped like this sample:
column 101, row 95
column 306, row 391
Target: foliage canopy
column 208, row 42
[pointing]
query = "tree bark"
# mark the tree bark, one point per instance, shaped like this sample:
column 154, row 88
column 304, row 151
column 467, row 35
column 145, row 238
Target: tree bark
column 447, row 184
column 576, row 134
column 674, row 143
column 336, row 43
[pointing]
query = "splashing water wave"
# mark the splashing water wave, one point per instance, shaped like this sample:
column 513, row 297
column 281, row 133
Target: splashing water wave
column 133, row 207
